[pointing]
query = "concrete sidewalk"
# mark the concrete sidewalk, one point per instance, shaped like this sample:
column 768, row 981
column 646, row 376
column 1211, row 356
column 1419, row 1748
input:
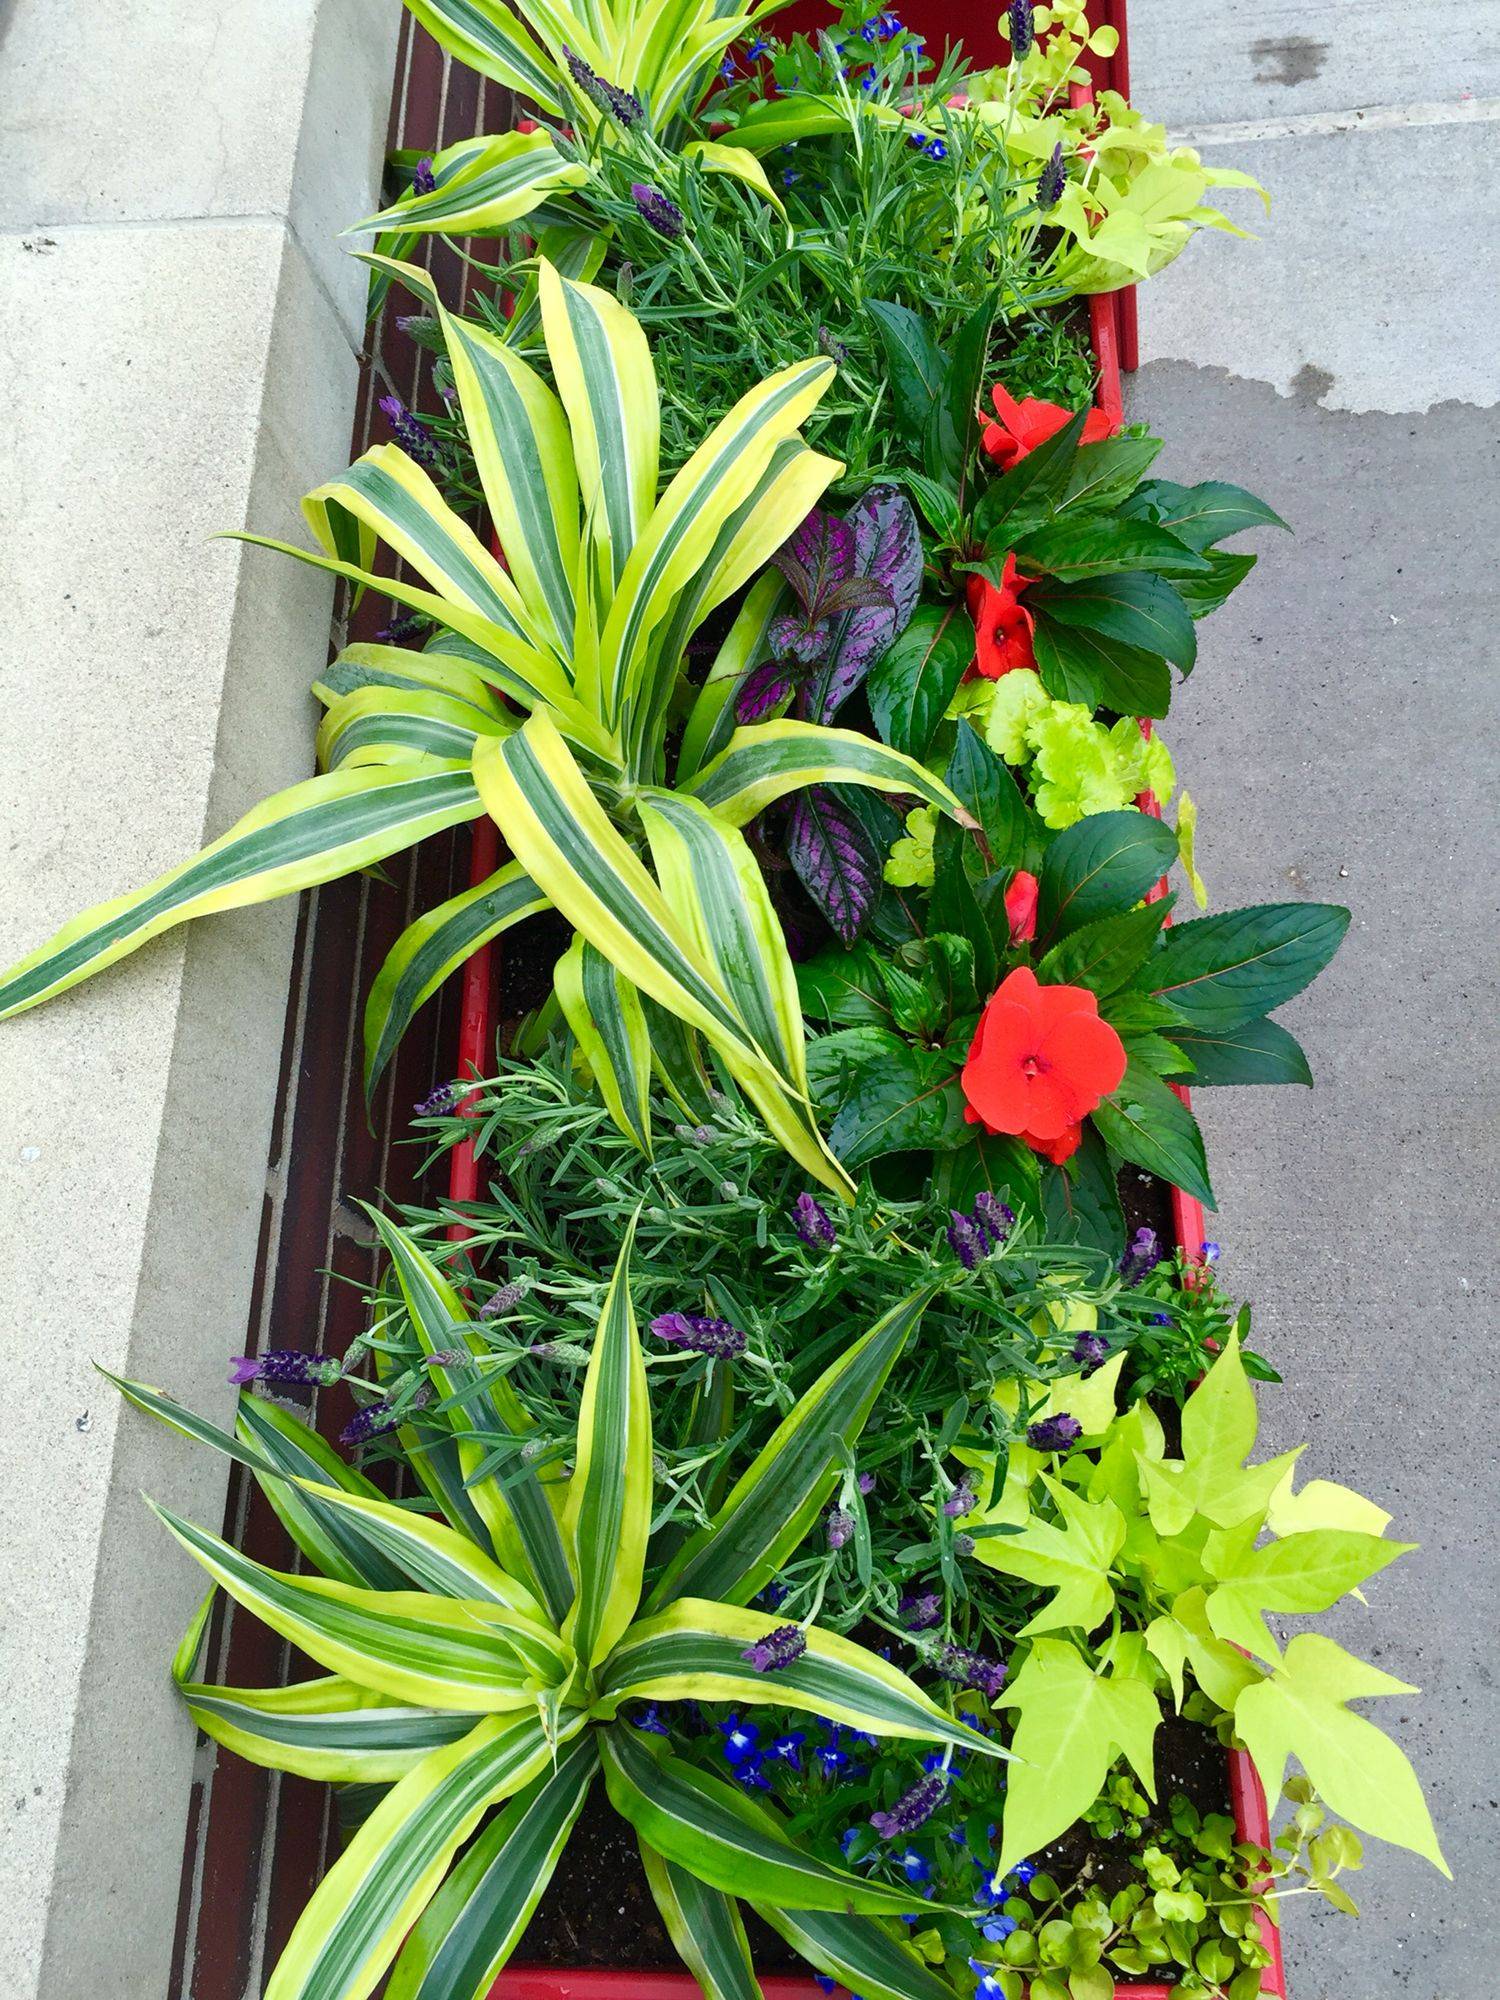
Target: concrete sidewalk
column 1342, row 737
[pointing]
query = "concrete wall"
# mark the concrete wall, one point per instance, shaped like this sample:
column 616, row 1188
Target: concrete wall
column 180, row 339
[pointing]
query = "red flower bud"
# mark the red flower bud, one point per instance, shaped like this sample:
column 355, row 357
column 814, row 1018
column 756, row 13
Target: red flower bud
column 1020, row 906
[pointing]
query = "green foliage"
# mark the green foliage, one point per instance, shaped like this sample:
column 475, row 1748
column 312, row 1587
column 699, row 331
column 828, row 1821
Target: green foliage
column 538, row 1692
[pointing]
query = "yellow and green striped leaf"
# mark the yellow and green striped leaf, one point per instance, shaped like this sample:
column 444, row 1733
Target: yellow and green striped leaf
column 685, row 524
column 695, row 1651
column 605, row 376
column 505, row 179
column 705, row 1927
column 435, row 1652
column 608, row 1518
column 714, row 887
column 604, row 1013
column 711, row 720
column 329, row 1730
column 559, row 832
column 437, row 944
column 487, row 36
column 368, row 665
column 383, row 725
column 764, row 761
column 775, row 1502
column 329, row 1539
column 514, row 1509
column 367, row 1902
column 706, row 1826
column 314, row 832
column 465, row 1936
column 862, row 1953
column 427, row 1553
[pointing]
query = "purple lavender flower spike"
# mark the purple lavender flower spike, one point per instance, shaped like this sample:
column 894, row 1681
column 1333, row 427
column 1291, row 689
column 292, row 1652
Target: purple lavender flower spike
column 285, row 1364
column 424, row 180
column 812, row 1222
column 1049, row 189
column 1022, row 30
column 866, row 1483
column 969, row 1669
column 622, row 105
column 1054, row 1433
column 437, row 1103
column 920, row 1611
column 840, row 1524
column 664, row 216
column 505, row 1300
column 1090, row 1349
column 408, row 431
column 964, row 1240
column 699, row 1333
column 378, row 1418
column 777, row 1650
column 993, row 1218
column 962, row 1500
column 912, row 1809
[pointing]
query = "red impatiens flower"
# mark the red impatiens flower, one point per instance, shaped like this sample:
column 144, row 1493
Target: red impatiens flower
column 1040, row 1062
column 1020, row 906
column 1002, row 625
column 1025, row 425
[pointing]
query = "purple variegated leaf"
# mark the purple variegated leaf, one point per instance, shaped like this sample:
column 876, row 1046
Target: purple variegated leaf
column 888, row 551
column 791, row 639
column 854, row 595
column 888, row 547
column 765, row 691
column 817, row 558
column 835, row 859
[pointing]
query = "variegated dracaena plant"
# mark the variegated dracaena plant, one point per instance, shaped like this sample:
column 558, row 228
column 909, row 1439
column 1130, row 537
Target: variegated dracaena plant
column 545, row 699
column 482, row 1662
column 645, row 63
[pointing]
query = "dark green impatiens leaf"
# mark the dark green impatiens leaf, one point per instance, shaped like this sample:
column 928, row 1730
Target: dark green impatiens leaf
column 1099, row 868
column 1081, row 1202
column 1258, row 1052
column 914, row 363
column 891, row 1097
column 844, row 988
column 1201, row 515
column 985, row 785
column 1029, row 493
column 1100, row 672
column 1142, row 610
column 1105, row 473
column 952, row 432
column 1225, row 573
column 1107, row 954
column 912, row 684
column 1223, row 971
column 1148, row 1124
column 1103, row 545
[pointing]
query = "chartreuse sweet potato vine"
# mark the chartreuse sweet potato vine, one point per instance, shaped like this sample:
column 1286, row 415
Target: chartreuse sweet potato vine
column 483, row 1661
column 545, row 700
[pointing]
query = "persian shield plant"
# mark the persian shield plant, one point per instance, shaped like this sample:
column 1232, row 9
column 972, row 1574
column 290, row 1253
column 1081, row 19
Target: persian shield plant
column 484, row 1667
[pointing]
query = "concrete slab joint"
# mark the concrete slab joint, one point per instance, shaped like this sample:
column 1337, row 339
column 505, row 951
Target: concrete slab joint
column 180, row 341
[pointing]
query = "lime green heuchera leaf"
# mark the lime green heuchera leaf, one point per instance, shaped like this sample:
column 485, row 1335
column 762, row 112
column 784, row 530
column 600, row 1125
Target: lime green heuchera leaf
column 910, row 863
column 1300, row 1711
column 1072, row 1727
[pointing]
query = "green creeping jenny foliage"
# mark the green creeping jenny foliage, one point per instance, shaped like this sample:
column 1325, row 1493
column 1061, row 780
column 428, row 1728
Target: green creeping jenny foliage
column 483, row 1661
column 1157, row 1575
column 546, row 699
